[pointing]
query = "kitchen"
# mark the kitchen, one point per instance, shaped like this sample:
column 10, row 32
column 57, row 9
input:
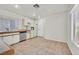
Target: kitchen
column 34, row 29
column 14, row 30
column 10, row 30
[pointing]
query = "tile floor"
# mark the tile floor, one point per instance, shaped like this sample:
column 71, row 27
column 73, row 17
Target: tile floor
column 41, row 46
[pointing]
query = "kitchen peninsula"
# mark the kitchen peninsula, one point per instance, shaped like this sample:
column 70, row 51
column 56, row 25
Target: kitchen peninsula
column 12, row 37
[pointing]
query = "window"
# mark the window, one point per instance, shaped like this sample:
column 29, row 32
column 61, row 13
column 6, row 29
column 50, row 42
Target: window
column 12, row 24
column 75, row 26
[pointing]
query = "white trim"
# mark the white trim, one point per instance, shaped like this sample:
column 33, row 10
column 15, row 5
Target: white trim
column 56, row 40
column 75, row 43
column 74, row 8
column 72, row 24
column 53, row 39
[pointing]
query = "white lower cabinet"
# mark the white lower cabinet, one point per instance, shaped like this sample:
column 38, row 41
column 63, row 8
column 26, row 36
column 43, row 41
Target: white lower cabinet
column 32, row 33
column 11, row 39
column 8, row 40
column 3, row 46
column 27, row 35
column 16, row 39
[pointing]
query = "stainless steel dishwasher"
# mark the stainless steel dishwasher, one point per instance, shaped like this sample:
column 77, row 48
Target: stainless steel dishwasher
column 22, row 36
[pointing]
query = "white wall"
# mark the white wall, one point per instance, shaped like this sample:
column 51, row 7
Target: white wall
column 5, row 13
column 58, row 27
column 41, row 23
column 54, row 27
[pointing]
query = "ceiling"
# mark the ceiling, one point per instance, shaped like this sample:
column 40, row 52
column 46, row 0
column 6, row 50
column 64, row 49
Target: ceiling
column 42, row 11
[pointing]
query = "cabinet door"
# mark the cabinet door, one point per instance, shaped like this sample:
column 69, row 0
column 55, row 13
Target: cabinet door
column 16, row 38
column 32, row 33
column 3, row 46
column 11, row 39
column 8, row 40
column 27, row 35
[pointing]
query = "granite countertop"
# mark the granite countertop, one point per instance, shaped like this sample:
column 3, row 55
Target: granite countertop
column 19, row 30
column 10, row 33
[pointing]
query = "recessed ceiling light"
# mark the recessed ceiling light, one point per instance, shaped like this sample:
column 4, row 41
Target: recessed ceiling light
column 16, row 6
column 34, row 14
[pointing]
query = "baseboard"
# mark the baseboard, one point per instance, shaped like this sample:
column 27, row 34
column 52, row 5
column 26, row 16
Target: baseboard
column 32, row 37
column 70, row 47
column 53, row 39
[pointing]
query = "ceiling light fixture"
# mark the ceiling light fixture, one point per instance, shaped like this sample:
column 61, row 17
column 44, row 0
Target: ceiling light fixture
column 36, row 6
